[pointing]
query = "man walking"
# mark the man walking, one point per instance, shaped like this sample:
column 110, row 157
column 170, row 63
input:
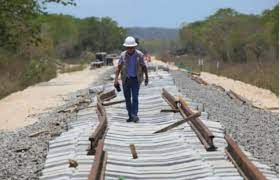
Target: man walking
column 131, row 65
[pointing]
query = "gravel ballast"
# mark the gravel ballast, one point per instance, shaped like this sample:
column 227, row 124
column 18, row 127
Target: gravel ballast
column 254, row 129
column 23, row 151
column 23, row 157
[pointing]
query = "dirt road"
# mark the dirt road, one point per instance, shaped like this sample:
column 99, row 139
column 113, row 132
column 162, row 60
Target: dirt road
column 20, row 108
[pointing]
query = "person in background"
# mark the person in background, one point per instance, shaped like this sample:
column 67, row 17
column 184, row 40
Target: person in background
column 132, row 68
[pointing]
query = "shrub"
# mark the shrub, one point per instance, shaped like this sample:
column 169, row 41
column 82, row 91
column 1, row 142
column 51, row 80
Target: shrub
column 39, row 70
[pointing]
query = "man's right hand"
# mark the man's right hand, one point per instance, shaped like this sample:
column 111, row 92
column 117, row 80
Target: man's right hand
column 146, row 81
column 116, row 82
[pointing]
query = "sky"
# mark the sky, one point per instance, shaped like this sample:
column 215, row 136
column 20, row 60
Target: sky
column 158, row 13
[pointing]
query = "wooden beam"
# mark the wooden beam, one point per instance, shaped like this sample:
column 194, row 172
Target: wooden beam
column 199, row 80
column 133, row 151
column 112, row 103
column 170, row 110
column 219, row 87
column 233, row 95
column 195, row 73
column 106, row 96
column 178, row 123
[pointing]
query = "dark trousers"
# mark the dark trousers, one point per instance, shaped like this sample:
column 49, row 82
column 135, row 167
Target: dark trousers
column 131, row 88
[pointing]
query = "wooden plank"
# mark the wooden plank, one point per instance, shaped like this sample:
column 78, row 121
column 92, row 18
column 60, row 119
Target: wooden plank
column 170, row 110
column 195, row 73
column 109, row 98
column 106, row 96
column 272, row 108
column 246, row 168
column 202, row 81
column 73, row 163
column 112, row 103
column 178, row 123
column 198, row 80
column 219, row 87
column 233, row 95
column 38, row 133
column 133, row 151
column 195, row 79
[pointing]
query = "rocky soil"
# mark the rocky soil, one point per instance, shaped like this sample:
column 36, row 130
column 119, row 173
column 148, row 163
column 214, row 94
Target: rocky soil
column 23, row 151
column 255, row 129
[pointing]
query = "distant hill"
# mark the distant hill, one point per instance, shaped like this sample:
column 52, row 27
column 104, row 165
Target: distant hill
column 151, row 33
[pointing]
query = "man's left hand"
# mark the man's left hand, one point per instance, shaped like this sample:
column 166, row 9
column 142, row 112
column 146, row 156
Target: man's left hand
column 146, row 81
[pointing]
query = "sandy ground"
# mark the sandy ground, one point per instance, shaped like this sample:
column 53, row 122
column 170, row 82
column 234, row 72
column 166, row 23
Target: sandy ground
column 259, row 97
column 20, row 108
column 171, row 65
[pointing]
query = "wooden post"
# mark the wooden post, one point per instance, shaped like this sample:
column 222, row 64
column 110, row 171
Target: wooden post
column 133, row 151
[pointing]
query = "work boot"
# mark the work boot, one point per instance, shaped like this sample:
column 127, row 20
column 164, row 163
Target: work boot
column 129, row 119
column 135, row 119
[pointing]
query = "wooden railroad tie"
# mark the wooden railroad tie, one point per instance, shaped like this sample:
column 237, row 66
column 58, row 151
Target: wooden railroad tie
column 112, row 103
column 198, row 80
column 178, row 123
column 106, row 96
column 233, row 95
column 218, row 87
column 195, row 73
column 133, row 151
column 170, row 110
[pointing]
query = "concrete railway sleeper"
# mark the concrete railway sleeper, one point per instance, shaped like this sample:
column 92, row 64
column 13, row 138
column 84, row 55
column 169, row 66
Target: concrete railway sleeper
column 184, row 151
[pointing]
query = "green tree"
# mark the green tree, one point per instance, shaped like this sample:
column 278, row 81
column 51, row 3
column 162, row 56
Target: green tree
column 16, row 20
column 100, row 34
column 65, row 38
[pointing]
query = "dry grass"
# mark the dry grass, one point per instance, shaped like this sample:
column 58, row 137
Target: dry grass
column 11, row 71
column 18, row 76
column 17, row 73
column 265, row 75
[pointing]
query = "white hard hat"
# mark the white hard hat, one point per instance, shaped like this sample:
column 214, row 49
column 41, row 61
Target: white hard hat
column 130, row 42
